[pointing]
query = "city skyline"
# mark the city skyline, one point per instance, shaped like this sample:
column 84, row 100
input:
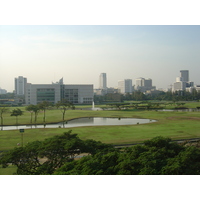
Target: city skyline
column 44, row 54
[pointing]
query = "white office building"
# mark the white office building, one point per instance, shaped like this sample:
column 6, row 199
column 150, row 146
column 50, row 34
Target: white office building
column 143, row 84
column 76, row 94
column 179, row 86
column 182, row 82
column 139, row 82
column 125, row 86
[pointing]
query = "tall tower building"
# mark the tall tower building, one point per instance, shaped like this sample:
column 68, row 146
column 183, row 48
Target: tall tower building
column 182, row 82
column 103, row 81
column 125, row 86
column 20, row 85
column 148, row 83
column 185, row 75
column 143, row 84
column 140, row 82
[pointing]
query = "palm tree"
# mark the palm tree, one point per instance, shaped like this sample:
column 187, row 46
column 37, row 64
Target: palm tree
column 2, row 111
column 30, row 108
column 43, row 106
column 16, row 112
column 35, row 109
column 63, row 105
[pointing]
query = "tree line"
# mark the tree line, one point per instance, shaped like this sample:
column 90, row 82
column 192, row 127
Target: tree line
column 59, row 156
column 34, row 110
column 140, row 96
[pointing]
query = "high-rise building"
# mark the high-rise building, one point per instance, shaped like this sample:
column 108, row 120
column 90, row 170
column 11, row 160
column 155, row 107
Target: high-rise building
column 185, row 75
column 179, row 86
column 103, row 81
column 140, row 82
column 20, row 85
column 182, row 82
column 125, row 86
column 148, row 83
column 3, row 91
column 143, row 84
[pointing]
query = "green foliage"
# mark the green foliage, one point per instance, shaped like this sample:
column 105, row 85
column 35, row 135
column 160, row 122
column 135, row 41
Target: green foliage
column 161, row 95
column 2, row 111
column 63, row 106
column 33, row 108
column 25, row 158
column 93, row 147
column 54, row 151
column 187, row 162
column 97, row 164
column 56, row 155
column 16, row 112
column 47, row 156
column 158, row 156
column 43, row 106
column 118, row 105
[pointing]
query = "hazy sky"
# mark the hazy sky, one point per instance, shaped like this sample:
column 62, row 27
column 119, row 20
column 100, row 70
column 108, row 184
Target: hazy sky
column 79, row 54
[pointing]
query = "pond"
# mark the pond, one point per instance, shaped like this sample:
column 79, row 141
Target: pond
column 92, row 121
column 181, row 110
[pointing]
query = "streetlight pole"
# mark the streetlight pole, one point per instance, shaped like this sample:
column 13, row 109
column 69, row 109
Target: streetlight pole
column 22, row 136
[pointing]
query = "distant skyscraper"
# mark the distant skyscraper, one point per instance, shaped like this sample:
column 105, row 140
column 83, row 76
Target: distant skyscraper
column 182, row 82
column 185, row 75
column 103, row 81
column 179, row 86
column 148, row 83
column 140, row 82
column 20, row 85
column 125, row 86
column 2, row 91
column 143, row 84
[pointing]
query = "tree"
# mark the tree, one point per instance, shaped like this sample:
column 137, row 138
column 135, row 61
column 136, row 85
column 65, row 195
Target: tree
column 16, row 112
column 155, row 157
column 35, row 109
column 2, row 111
column 59, row 150
column 118, row 105
column 55, row 152
column 25, row 158
column 93, row 147
column 98, row 164
column 43, row 106
column 187, row 162
column 30, row 108
column 64, row 105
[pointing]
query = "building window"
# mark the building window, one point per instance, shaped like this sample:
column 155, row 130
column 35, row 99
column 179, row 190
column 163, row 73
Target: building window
column 71, row 95
column 45, row 95
column 87, row 100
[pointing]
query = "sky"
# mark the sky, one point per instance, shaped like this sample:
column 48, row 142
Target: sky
column 79, row 53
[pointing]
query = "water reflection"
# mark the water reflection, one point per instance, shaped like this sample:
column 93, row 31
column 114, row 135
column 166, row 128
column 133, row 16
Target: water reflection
column 92, row 121
column 182, row 110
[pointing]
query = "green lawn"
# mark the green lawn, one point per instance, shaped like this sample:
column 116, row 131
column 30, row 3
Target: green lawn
column 8, row 171
column 176, row 125
column 170, row 124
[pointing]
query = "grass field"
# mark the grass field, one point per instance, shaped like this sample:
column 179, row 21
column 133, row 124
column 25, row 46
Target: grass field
column 8, row 171
column 176, row 125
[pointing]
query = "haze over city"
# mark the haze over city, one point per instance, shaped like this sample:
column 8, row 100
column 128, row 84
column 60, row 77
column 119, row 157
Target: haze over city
column 44, row 54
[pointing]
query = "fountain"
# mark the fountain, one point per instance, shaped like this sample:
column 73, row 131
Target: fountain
column 93, row 105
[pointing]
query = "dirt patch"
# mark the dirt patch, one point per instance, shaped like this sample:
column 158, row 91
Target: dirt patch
column 183, row 118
